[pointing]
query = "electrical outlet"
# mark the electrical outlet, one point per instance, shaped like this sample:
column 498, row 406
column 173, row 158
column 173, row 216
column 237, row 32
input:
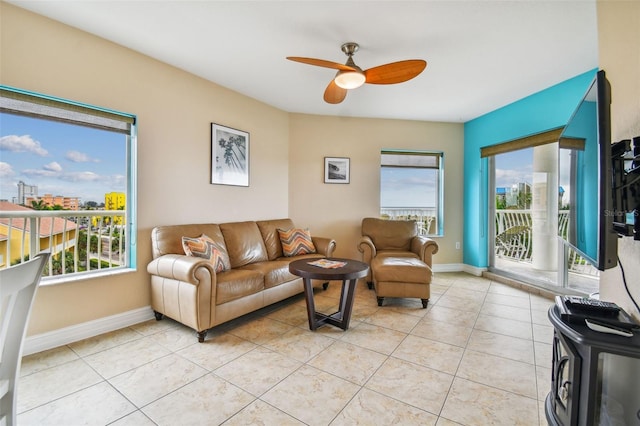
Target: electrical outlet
column 457, row 245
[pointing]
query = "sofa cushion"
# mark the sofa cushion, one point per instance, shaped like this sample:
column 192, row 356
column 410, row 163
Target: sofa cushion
column 296, row 242
column 269, row 231
column 168, row 239
column 275, row 272
column 204, row 247
column 244, row 243
column 236, row 283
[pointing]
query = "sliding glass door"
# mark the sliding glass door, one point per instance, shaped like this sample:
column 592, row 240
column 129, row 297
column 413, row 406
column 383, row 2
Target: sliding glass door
column 526, row 214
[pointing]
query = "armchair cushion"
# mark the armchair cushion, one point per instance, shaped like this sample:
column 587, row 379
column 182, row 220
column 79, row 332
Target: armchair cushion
column 204, row 247
column 296, row 242
column 390, row 234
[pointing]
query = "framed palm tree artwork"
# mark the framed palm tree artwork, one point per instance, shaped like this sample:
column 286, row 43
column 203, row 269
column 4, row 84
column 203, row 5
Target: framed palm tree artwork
column 229, row 156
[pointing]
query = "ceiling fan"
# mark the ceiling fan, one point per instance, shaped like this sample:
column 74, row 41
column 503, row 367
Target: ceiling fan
column 351, row 76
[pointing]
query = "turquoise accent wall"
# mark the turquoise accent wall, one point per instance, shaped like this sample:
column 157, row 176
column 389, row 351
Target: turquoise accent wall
column 542, row 111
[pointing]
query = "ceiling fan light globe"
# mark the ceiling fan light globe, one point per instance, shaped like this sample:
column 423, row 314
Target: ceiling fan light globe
column 349, row 79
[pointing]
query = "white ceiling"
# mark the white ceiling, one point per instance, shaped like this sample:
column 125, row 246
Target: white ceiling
column 481, row 55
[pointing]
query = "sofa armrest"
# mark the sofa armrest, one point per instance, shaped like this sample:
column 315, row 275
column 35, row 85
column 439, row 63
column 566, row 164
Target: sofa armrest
column 425, row 248
column 180, row 267
column 324, row 246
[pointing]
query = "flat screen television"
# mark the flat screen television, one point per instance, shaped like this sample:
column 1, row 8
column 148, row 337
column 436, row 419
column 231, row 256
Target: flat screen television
column 585, row 181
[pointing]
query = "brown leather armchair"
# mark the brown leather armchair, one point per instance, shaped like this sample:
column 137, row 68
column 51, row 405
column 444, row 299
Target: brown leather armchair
column 400, row 260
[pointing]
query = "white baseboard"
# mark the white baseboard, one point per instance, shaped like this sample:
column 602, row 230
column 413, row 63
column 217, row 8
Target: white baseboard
column 473, row 270
column 458, row 267
column 64, row 336
column 448, row 267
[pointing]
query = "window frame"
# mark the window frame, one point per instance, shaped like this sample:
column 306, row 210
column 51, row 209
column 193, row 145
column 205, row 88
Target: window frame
column 439, row 167
column 45, row 107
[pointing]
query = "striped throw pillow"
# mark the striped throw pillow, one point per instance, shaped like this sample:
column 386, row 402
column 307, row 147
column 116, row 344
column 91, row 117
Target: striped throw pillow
column 296, row 242
column 204, row 247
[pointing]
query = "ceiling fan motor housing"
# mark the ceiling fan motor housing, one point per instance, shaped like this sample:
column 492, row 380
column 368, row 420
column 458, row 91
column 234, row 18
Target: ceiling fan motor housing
column 350, row 48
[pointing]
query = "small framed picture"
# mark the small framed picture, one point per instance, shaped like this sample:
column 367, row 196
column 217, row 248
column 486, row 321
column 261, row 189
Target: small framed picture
column 336, row 170
column 229, row 156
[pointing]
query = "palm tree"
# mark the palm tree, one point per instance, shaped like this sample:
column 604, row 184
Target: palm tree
column 235, row 151
column 39, row 205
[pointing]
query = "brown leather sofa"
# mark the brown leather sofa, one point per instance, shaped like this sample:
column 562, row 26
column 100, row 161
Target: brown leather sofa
column 400, row 260
column 188, row 289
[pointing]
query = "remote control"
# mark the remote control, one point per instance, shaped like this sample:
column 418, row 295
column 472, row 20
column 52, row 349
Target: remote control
column 592, row 305
column 604, row 327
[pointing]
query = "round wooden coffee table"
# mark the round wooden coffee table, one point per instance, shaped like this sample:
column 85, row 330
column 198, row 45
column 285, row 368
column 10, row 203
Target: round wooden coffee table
column 347, row 273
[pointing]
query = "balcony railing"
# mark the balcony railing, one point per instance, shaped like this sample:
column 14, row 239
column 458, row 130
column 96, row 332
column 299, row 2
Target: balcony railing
column 425, row 217
column 80, row 241
column 513, row 239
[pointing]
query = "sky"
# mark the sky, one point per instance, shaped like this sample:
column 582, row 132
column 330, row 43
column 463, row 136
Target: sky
column 60, row 159
column 514, row 167
column 77, row 161
column 517, row 166
column 405, row 187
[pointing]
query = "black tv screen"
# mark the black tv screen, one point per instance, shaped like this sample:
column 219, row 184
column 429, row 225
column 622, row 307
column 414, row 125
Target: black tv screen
column 584, row 175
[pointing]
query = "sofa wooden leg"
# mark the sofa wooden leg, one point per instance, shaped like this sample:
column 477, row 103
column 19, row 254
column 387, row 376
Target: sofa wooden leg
column 380, row 299
column 370, row 285
column 424, row 303
column 202, row 335
column 325, row 286
column 158, row 315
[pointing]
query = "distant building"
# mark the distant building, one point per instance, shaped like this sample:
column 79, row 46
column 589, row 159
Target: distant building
column 115, row 201
column 501, row 195
column 56, row 234
column 515, row 196
column 67, row 203
column 26, row 191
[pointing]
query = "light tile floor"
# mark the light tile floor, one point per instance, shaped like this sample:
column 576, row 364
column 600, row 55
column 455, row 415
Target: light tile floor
column 479, row 354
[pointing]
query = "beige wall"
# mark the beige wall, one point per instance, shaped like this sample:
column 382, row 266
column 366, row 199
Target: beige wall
column 619, row 51
column 174, row 111
column 337, row 209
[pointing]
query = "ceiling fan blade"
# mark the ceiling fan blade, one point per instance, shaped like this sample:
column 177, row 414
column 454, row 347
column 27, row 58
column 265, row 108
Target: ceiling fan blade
column 395, row 72
column 321, row 63
column 334, row 94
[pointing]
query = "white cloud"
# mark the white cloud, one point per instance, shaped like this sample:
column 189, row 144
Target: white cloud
column 40, row 173
column 508, row 177
column 24, row 143
column 6, row 170
column 80, row 157
column 53, row 167
column 81, row 177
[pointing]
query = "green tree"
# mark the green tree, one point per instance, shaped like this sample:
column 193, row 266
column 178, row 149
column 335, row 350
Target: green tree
column 524, row 200
column 116, row 235
column 39, row 205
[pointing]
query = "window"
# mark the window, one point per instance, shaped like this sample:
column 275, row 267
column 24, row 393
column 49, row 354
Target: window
column 67, row 184
column 411, row 187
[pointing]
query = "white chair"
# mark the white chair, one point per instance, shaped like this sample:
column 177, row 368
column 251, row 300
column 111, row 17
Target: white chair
column 17, row 290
